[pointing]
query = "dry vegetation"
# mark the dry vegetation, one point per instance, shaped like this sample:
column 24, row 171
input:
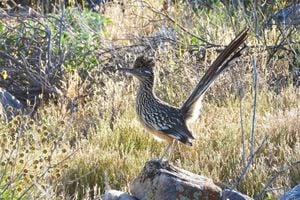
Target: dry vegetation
column 86, row 141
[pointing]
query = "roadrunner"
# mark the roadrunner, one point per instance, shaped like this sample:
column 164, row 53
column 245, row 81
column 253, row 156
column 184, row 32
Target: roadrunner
column 168, row 122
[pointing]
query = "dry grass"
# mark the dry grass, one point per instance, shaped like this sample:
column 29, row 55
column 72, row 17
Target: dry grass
column 103, row 142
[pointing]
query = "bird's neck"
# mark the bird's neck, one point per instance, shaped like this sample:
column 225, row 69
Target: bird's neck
column 146, row 86
column 145, row 90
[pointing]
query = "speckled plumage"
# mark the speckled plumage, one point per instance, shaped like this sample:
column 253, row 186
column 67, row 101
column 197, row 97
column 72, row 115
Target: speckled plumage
column 160, row 117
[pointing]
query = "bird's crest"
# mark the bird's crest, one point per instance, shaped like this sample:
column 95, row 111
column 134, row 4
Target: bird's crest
column 143, row 62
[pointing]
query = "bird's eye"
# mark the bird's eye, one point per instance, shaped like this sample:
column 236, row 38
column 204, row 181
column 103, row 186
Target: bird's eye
column 146, row 71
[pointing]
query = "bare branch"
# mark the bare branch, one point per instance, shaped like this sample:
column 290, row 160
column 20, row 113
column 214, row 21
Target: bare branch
column 249, row 162
column 177, row 24
column 254, row 106
column 273, row 178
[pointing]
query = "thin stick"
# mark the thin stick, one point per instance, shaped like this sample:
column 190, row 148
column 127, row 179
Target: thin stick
column 242, row 124
column 249, row 162
column 252, row 152
column 254, row 106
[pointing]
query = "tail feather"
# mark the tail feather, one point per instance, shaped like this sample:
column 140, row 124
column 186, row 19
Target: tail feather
column 191, row 106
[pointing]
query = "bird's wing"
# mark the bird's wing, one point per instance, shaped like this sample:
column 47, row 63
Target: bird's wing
column 181, row 134
column 168, row 120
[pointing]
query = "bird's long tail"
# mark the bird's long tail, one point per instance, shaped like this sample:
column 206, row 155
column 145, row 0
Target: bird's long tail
column 191, row 106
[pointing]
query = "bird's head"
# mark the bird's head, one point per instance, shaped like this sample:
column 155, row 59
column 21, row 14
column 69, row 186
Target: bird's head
column 143, row 68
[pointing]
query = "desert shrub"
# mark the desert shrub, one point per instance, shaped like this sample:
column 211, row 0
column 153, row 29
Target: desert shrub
column 38, row 56
column 38, row 53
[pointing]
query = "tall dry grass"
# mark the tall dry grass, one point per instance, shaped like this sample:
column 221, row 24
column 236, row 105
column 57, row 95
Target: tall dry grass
column 76, row 154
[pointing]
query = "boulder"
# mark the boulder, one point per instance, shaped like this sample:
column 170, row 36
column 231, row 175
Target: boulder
column 117, row 195
column 285, row 17
column 292, row 194
column 234, row 195
column 163, row 181
column 9, row 105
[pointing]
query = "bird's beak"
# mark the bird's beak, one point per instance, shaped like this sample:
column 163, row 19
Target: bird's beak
column 128, row 70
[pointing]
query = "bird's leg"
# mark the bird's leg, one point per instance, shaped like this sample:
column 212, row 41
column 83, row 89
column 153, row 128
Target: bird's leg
column 171, row 151
column 166, row 150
